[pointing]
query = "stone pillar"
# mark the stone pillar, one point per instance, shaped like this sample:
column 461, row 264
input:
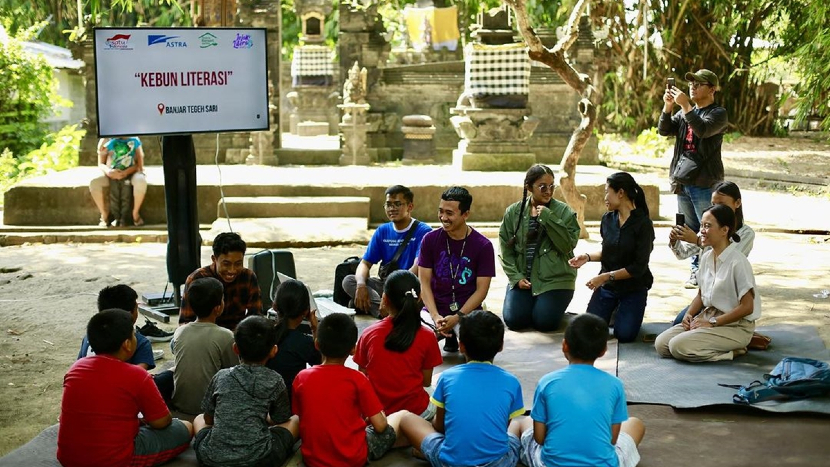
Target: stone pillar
column 266, row 14
column 418, row 139
column 85, row 51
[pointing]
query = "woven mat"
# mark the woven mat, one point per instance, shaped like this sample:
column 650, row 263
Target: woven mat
column 650, row 379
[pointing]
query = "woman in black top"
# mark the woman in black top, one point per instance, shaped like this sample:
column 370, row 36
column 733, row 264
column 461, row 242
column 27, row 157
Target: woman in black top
column 627, row 241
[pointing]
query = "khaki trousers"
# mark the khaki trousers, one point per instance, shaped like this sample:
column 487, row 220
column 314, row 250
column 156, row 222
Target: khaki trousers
column 705, row 344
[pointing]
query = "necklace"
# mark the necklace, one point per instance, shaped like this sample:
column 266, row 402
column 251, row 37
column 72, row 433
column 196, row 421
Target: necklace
column 454, row 272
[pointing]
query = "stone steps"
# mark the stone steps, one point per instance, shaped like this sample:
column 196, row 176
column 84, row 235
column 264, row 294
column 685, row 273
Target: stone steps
column 296, row 206
column 288, row 156
column 295, row 232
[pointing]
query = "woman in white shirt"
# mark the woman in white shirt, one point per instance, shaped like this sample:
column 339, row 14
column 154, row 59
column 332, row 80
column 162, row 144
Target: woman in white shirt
column 719, row 323
column 685, row 243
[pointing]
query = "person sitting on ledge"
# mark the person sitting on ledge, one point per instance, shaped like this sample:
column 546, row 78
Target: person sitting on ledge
column 119, row 159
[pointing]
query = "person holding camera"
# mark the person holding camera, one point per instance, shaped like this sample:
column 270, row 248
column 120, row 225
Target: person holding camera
column 698, row 129
column 395, row 244
column 537, row 237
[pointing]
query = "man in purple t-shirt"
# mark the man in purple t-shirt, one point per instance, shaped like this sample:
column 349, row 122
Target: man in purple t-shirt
column 455, row 266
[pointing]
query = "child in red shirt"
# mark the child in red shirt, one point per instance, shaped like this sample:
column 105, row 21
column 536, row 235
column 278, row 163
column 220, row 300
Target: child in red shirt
column 102, row 399
column 398, row 354
column 334, row 401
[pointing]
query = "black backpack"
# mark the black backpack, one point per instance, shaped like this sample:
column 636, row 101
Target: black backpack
column 347, row 267
column 792, row 379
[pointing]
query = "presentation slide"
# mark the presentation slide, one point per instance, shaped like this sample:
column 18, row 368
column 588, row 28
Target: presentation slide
column 180, row 80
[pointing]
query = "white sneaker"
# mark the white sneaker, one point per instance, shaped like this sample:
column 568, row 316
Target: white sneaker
column 692, row 282
column 158, row 354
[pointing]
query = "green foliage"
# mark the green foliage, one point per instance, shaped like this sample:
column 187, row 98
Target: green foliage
column 650, row 144
column 806, row 39
column 28, row 91
column 58, row 152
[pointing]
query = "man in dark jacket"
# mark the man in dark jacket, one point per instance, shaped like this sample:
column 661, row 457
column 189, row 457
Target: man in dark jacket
column 696, row 165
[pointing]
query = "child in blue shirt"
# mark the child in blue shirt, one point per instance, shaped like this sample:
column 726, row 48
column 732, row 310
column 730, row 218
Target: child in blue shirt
column 123, row 297
column 579, row 415
column 475, row 402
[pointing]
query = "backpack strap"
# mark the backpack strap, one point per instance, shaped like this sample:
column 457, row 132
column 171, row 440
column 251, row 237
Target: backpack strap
column 760, row 394
column 405, row 241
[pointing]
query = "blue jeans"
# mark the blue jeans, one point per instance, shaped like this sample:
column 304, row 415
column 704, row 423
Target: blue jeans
column 630, row 306
column 680, row 316
column 692, row 201
column 543, row 312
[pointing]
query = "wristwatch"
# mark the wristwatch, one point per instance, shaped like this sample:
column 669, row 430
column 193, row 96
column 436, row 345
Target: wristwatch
column 713, row 321
column 611, row 276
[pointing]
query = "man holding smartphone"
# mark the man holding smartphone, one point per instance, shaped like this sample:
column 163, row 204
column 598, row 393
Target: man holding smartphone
column 698, row 129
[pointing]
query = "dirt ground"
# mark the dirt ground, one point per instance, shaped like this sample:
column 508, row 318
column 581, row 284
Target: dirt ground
column 48, row 292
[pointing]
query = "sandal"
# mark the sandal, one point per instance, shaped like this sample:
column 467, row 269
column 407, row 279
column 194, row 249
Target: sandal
column 103, row 223
column 138, row 222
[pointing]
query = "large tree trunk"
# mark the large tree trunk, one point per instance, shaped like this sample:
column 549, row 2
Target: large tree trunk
column 581, row 83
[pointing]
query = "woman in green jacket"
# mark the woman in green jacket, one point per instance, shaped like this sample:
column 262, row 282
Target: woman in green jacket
column 537, row 237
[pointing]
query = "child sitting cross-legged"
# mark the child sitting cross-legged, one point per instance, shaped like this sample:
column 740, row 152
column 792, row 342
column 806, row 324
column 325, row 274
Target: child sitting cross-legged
column 296, row 346
column 579, row 415
column 334, row 401
column 247, row 418
column 398, row 353
column 202, row 347
column 475, row 401
column 103, row 396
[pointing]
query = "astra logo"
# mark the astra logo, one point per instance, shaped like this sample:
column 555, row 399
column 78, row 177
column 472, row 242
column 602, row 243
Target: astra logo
column 168, row 41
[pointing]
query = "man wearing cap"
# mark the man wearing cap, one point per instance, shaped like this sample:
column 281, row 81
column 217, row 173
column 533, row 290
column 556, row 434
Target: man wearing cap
column 696, row 165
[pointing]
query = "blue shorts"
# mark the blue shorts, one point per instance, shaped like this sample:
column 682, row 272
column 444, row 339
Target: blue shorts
column 431, row 447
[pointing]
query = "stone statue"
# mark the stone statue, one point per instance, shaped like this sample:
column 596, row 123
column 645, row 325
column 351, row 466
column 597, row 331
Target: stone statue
column 354, row 90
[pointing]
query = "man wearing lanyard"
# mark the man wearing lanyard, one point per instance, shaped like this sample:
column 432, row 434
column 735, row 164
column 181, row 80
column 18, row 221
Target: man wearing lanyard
column 455, row 266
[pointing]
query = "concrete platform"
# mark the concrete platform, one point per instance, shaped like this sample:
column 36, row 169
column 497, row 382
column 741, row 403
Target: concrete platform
column 295, row 206
column 62, row 198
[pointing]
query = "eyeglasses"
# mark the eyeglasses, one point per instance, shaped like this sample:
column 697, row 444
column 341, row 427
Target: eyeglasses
column 393, row 205
column 542, row 187
column 695, row 84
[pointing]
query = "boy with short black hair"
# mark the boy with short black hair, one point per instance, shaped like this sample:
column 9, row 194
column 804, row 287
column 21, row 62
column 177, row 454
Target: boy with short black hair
column 102, row 398
column 579, row 416
column 247, row 417
column 123, row 297
column 201, row 348
column 331, row 391
column 475, row 401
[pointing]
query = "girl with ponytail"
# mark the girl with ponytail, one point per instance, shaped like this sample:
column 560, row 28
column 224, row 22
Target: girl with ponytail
column 627, row 240
column 685, row 243
column 719, row 323
column 398, row 354
column 296, row 347
column 537, row 236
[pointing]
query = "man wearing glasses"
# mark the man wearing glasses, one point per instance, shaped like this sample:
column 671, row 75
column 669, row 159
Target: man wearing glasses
column 696, row 165
column 383, row 247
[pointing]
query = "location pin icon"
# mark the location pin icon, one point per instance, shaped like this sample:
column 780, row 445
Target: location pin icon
column 161, row 108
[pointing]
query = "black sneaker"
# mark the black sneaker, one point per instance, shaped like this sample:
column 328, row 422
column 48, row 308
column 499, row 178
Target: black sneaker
column 153, row 333
column 451, row 343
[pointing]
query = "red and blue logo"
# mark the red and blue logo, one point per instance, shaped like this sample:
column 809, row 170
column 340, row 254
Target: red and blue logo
column 119, row 42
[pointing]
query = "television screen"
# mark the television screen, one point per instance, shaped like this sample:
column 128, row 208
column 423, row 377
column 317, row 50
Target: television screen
column 155, row 81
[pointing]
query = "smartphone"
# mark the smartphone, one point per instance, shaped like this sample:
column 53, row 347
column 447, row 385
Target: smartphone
column 670, row 83
column 679, row 219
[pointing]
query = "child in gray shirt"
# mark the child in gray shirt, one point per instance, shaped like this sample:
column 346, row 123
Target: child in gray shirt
column 247, row 417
